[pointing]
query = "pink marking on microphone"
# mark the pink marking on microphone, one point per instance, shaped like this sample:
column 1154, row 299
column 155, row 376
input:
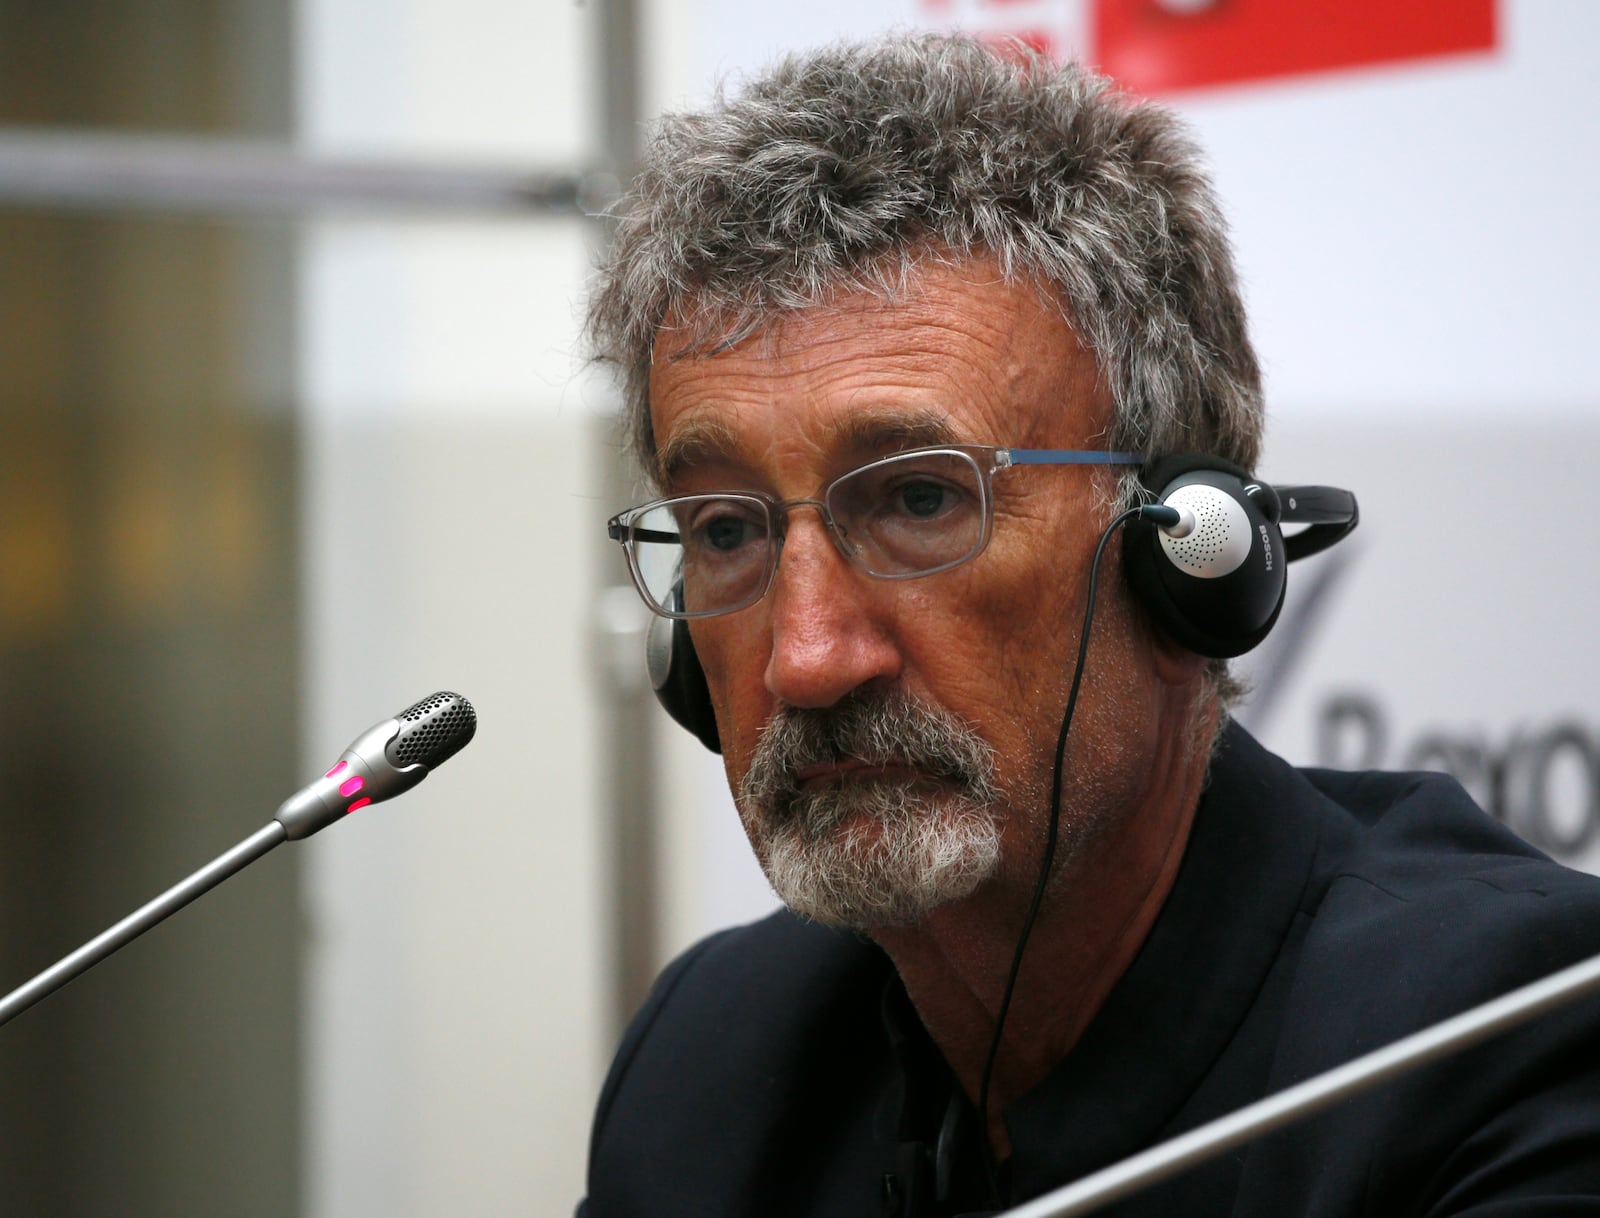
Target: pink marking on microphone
column 360, row 803
column 351, row 785
column 341, row 765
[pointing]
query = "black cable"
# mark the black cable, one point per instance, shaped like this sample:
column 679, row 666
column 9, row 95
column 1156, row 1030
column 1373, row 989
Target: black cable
column 991, row 1168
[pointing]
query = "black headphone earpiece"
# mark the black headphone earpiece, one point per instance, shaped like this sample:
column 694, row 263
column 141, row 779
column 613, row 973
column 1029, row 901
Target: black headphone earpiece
column 679, row 681
column 1216, row 590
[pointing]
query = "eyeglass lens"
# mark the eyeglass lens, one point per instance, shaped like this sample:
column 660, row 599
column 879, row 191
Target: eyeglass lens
column 906, row 515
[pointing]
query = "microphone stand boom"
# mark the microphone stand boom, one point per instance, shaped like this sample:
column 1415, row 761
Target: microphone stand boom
column 387, row 759
column 142, row 919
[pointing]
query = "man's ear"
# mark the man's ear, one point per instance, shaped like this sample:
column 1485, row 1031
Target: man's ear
column 1174, row 663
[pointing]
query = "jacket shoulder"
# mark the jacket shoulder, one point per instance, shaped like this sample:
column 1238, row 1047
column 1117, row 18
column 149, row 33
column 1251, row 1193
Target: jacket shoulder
column 1429, row 879
column 1422, row 908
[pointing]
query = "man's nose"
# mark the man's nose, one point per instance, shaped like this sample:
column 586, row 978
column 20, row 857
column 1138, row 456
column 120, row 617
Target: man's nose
column 826, row 640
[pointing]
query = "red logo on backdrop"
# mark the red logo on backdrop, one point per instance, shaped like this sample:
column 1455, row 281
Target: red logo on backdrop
column 1156, row 46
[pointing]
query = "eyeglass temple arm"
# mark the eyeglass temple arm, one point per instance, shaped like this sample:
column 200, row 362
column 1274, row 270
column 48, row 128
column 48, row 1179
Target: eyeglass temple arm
column 618, row 531
column 1065, row 456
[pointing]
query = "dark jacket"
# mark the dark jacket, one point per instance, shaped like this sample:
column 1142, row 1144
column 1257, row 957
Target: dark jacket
column 775, row 1070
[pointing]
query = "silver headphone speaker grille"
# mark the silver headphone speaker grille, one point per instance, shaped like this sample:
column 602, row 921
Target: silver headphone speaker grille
column 1220, row 540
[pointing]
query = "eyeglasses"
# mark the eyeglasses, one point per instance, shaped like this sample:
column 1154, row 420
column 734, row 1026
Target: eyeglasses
column 901, row 517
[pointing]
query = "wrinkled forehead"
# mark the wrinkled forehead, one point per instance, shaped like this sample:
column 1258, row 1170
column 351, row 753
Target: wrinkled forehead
column 960, row 321
column 712, row 317
column 706, row 440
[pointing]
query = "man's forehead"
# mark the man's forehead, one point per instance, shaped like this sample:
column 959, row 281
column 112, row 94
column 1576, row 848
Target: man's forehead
column 705, row 438
column 959, row 354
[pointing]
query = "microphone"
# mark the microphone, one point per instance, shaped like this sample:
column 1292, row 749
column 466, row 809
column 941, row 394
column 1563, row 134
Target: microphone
column 386, row 760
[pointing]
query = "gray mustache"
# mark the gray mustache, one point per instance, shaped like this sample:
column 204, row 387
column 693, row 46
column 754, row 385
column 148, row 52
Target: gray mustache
column 876, row 727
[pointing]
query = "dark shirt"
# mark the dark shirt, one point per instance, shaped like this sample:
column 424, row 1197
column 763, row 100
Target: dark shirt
column 778, row 1069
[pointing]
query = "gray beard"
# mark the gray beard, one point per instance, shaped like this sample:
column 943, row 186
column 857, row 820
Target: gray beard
column 870, row 852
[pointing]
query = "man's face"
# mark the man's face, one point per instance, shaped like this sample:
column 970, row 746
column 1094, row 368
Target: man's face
column 890, row 741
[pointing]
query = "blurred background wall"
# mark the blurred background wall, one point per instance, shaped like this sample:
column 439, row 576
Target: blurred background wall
column 295, row 429
column 293, row 435
column 150, row 632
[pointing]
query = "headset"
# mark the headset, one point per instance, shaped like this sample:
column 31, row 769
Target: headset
column 1213, row 581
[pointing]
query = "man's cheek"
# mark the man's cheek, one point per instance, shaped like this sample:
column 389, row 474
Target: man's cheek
column 729, row 700
column 741, row 716
column 739, row 723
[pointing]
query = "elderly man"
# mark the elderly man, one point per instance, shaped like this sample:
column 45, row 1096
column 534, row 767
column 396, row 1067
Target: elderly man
column 902, row 328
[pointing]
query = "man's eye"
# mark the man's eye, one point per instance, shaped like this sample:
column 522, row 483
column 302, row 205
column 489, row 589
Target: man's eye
column 722, row 531
column 726, row 532
column 921, row 499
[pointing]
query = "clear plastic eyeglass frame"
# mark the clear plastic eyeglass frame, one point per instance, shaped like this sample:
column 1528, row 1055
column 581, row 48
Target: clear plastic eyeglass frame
column 904, row 516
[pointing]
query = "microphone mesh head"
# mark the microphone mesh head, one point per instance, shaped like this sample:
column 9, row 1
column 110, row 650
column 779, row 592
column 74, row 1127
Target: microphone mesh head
column 433, row 731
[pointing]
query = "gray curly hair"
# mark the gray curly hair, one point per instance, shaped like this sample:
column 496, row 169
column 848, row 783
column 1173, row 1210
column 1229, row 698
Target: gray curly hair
column 850, row 167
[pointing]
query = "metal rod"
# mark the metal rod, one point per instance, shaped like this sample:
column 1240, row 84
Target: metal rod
column 633, row 806
column 142, row 919
column 1312, row 1096
column 41, row 167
